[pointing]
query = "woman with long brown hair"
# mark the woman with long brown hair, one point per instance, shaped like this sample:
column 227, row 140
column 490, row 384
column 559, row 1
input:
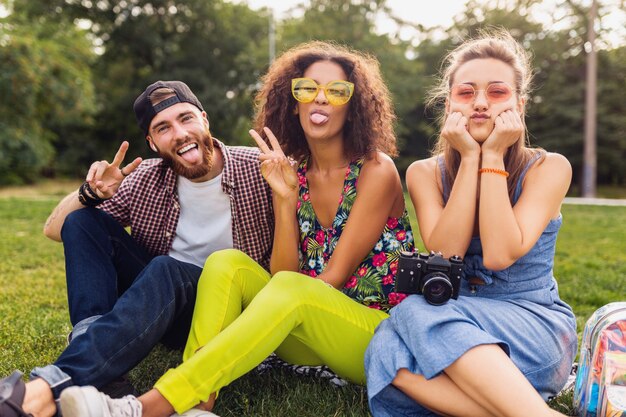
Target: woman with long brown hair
column 508, row 341
column 340, row 224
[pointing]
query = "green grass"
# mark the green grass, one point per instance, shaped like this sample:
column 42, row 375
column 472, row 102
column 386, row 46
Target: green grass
column 590, row 267
column 602, row 191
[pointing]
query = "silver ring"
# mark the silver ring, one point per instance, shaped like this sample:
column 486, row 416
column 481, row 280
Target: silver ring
column 123, row 173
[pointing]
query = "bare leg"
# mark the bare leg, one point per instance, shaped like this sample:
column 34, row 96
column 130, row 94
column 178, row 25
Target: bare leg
column 207, row 406
column 486, row 374
column 439, row 395
column 482, row 382
column 38, row 399
column 156, row 405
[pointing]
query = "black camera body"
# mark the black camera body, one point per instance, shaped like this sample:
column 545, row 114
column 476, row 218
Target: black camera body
column 436, row 278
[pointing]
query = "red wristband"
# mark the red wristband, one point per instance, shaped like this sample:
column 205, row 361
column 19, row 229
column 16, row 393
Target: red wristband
column 493, row 171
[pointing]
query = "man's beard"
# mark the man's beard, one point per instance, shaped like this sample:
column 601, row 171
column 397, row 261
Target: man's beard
column 206, row 148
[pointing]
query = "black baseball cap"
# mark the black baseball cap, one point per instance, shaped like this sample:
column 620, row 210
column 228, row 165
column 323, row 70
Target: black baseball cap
column 145, row 111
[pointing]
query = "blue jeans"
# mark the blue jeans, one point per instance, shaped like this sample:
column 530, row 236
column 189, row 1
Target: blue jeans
column 122, row 303
column 101, row 262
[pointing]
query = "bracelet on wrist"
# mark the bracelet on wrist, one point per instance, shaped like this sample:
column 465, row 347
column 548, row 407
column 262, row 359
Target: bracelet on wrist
column 88, row 197
column 494, row 171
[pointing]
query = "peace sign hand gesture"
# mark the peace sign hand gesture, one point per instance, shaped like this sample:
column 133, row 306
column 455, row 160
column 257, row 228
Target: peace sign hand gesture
column 105, row 178
column 276, row 167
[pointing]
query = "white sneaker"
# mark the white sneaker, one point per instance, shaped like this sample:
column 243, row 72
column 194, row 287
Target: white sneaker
column 195, row 412
column 89, row 402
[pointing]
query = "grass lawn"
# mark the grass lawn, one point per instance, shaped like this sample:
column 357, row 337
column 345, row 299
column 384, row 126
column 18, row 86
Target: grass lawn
column 590, row 268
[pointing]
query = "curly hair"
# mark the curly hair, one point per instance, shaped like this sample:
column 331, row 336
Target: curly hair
column 369, row 125
column 497, row 44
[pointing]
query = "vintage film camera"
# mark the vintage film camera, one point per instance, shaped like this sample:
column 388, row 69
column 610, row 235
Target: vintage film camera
column 436, row 278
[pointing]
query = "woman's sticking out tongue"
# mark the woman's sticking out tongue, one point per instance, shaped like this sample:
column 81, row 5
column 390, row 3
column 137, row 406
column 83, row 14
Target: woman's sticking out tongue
column 318, row 118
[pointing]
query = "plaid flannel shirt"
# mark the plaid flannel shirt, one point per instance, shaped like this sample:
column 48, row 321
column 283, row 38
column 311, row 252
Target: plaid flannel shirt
column 147, row 201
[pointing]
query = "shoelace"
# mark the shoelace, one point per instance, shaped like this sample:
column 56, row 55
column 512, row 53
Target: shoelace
column 127, row 406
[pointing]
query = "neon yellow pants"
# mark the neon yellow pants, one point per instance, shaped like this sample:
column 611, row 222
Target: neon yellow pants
column 241, row 316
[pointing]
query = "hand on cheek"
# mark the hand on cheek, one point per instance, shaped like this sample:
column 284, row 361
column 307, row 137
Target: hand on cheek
column 508, row 128
column 455, row 132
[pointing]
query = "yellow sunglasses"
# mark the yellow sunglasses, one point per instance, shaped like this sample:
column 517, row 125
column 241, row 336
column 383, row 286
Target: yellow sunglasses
column 337, row 92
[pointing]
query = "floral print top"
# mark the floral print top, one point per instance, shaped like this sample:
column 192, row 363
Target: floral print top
column 373, row 281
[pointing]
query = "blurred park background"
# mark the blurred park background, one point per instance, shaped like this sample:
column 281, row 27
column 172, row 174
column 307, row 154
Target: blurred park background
column 71, row 69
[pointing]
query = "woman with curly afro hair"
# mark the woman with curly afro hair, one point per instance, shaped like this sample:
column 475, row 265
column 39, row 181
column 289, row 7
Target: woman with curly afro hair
column 324, row 127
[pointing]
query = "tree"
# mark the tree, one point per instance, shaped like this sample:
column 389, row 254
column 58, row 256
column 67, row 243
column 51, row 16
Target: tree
column 611, row 131
column 45, row 82
column 70, row 70
column 211, row 45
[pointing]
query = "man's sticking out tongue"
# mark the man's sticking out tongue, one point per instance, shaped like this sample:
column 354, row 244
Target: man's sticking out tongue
column 190, row 153
column 318, row 118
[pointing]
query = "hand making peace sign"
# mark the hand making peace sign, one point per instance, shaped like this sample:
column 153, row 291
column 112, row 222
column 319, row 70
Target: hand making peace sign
column 105, row 178
column 275, row 166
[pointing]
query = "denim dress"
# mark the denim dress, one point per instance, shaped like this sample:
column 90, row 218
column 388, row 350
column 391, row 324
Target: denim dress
column 517, row 308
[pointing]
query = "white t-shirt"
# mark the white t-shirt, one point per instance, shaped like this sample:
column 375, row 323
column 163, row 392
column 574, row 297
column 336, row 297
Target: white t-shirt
column 205, row 223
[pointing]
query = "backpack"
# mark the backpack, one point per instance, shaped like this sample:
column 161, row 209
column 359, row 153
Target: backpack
column 600, row 386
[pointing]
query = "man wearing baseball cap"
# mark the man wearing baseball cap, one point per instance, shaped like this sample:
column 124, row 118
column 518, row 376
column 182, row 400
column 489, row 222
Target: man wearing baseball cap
column 127, row 292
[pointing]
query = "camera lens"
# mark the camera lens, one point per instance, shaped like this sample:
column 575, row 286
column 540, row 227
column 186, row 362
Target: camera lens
column 437, row 289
